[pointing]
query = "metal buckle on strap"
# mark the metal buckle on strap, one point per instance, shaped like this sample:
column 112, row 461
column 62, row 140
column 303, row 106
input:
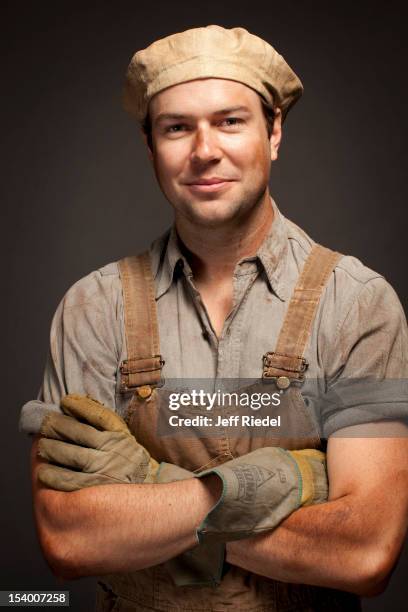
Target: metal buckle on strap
column 144, row 364
column 142, row 372
column 284, row 369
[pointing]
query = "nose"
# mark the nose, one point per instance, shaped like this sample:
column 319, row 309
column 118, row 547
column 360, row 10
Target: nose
column 205, row 146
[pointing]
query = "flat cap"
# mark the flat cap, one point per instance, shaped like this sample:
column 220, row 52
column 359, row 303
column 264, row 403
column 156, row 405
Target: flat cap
column 210, row 52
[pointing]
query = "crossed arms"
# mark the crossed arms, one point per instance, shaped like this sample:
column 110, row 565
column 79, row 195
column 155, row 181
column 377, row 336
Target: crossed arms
column 351, row 542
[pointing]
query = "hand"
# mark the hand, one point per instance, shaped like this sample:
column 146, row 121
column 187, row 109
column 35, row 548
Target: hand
column 103, row 451
column 261, row 489
column 99, row 451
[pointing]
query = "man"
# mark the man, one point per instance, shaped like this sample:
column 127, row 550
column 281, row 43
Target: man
column 211, row 102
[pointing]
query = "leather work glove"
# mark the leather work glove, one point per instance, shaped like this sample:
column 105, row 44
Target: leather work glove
column 100, row 451
column 93, row 457
column 261, row 489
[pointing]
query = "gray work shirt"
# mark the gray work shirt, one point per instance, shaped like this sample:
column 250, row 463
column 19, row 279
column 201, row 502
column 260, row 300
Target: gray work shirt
column 359, row 330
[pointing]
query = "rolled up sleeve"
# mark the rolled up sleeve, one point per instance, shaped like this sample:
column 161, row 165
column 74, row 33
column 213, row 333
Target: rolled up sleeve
column 369, row 373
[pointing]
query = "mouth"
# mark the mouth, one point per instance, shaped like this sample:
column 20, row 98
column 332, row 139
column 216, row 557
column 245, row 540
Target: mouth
column 209, row 185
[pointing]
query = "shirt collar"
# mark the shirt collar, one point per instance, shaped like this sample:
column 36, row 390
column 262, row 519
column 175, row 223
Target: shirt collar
column 167, row 258
column 273, row 254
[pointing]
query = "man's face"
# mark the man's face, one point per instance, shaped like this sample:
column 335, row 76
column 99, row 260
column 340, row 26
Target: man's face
column 211, row 150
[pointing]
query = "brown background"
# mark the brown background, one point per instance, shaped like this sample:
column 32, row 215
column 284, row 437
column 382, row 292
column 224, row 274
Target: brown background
column 78, row 190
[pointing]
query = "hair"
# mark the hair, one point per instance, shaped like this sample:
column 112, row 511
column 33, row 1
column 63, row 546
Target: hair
column 268, row 112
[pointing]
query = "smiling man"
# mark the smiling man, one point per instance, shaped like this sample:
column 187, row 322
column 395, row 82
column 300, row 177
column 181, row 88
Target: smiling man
column 227, row 196
column 234, row 291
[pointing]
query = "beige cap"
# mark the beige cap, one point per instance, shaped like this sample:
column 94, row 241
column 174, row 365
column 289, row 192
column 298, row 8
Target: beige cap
column 207, row 52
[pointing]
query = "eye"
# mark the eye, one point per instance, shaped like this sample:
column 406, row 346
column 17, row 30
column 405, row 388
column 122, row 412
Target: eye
column 175, row 128
column 232, row 121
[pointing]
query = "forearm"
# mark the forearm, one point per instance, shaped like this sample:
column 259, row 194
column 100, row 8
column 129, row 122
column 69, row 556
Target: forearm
column 337, row 545
column 352, row 542
column 120, row 528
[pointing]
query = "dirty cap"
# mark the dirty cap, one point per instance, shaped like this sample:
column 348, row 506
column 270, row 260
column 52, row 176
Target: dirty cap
column 210, row 52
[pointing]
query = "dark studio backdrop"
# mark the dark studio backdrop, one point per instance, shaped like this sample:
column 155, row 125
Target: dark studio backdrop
column 79, row 191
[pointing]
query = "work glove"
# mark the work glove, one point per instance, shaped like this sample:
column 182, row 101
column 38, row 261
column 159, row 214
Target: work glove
column 261, row 489
column 99, row 451
column 103, row 451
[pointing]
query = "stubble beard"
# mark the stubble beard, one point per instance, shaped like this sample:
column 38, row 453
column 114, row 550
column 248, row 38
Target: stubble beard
column 239, row 211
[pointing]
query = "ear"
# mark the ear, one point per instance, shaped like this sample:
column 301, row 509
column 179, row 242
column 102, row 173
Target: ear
column 149, row 151
column 276, row 136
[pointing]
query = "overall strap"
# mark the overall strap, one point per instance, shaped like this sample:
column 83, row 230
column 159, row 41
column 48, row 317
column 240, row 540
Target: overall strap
column 287, row 362
column 142, row 369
